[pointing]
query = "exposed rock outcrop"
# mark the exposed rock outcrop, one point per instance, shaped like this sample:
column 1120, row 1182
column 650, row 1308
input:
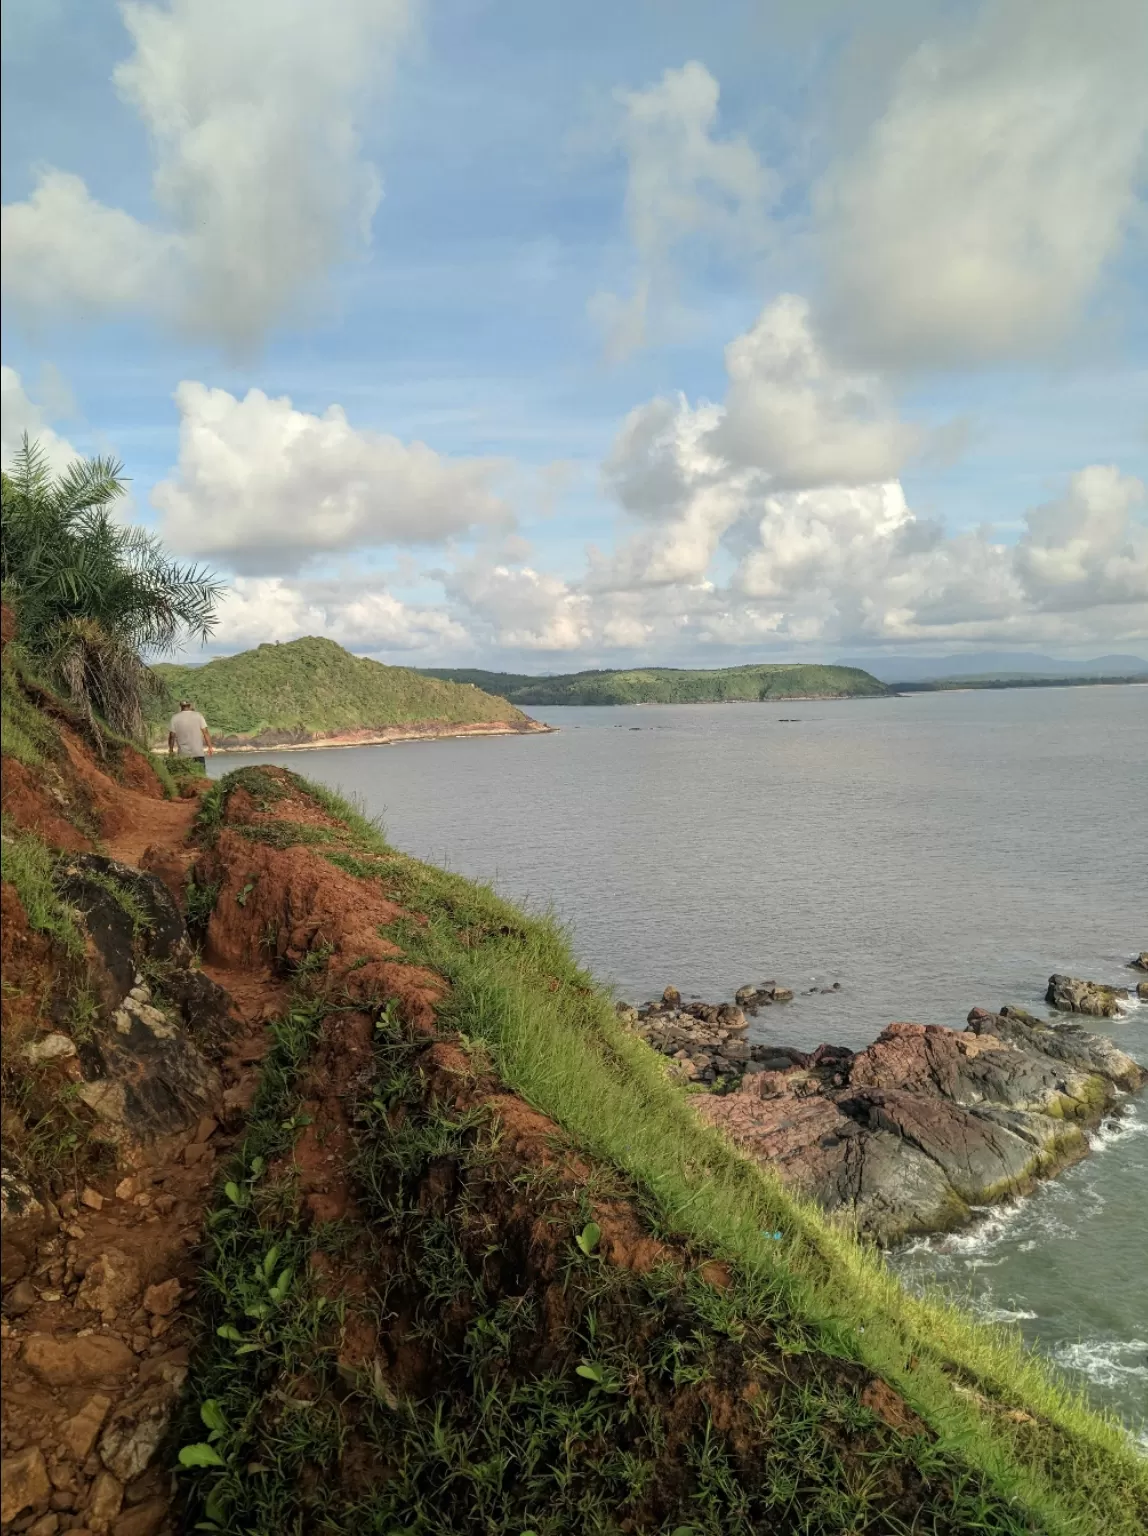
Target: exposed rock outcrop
column 706, row 1041
column 1071, row 995
column 912, row 1133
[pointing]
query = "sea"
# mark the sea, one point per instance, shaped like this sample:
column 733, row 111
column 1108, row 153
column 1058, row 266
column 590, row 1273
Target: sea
column 932, row 853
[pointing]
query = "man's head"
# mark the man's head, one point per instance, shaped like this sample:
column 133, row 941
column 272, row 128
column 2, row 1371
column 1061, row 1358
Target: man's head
column 186, row 704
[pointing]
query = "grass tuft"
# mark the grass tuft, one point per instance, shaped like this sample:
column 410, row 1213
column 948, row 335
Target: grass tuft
column 29, row 865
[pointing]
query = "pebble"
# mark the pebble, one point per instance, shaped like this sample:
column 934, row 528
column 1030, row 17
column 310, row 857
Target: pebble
column 92, row 1199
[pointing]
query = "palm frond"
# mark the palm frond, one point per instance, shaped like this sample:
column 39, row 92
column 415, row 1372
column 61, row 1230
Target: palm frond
column 95, row 596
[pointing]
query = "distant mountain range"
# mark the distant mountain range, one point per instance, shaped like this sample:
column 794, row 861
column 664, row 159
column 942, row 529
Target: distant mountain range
column 993, row 664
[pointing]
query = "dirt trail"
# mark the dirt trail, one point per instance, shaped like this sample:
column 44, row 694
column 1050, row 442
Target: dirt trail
column 95, row 1337
column 148, row 822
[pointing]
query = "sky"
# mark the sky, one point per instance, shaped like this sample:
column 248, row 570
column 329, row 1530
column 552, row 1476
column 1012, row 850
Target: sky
column 546, row 337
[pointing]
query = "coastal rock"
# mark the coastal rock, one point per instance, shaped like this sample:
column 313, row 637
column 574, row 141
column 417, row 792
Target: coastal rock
column 1071, row 995
column 704, row 1040
column 1139, row 962
column 911, row 1134
column 1062, row 1042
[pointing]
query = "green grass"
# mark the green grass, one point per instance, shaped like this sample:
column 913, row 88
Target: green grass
column 29, row 865
column 27, row 733
column 672, row 685
column 526, row 1425
column 517, row 995
column 313, row 687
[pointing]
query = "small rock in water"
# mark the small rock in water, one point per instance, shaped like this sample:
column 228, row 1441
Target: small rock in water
column 1071, row 995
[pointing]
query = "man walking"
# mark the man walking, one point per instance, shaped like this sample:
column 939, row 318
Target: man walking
column 189, row 736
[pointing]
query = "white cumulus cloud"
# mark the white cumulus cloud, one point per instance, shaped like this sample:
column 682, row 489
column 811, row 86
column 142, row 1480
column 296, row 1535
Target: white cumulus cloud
column 19, row 414
column 683, row 183
column 362, row 615
column 519, row 608
column 793, row 412
column 1087, row 548
column 258, row 177
column 265, row 487
column 975, row 219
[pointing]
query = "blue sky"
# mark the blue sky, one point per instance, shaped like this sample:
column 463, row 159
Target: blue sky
column 925, row 222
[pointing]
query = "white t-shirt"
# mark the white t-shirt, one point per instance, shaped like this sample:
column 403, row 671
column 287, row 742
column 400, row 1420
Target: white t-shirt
column 188, row 727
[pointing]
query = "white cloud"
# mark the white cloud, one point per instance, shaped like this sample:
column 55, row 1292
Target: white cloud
column 251, row 112
column 664, row 470
column 266, row 487
column 683, row 184
column 1086, row 549
column 361, row 615
column 19, row 414
column 794, row 413
column 519, row 608
column 63, row 249
column 976, row 218
column 793, row 481
column 791, row 419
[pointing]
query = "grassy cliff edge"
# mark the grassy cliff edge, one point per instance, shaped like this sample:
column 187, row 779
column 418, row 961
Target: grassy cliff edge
column 474, row 1265
column 796, row 1318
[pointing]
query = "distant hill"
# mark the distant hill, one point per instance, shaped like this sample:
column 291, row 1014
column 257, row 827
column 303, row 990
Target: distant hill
column 672, row 685
column 312, row 692
column 984, row 666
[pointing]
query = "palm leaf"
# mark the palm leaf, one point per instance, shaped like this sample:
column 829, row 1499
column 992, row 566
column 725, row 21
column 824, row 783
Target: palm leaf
column 95, row 596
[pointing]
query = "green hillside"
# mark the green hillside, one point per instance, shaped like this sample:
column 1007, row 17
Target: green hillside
column 673, row 685
column 289, row 694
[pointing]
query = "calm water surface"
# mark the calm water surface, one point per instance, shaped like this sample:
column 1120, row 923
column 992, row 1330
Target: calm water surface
column 931, row 853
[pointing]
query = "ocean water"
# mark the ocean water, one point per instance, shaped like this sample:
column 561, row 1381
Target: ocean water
column 931, row 853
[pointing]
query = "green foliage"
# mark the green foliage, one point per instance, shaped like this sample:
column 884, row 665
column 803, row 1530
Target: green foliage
column 27, row 863
column 124, row 897
column 92, row 594
column 530, row 1422
column 672, row 685
column 198, row 905
column 26, row 731
column 285, row 694
column 589, row 1237
column 182, row 767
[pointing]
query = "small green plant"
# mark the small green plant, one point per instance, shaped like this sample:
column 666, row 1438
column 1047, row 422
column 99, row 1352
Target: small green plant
column 244, row 892
column 589, row 1238
column 199, row 902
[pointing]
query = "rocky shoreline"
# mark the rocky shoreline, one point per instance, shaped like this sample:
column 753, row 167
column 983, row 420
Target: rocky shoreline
column 915, row 1132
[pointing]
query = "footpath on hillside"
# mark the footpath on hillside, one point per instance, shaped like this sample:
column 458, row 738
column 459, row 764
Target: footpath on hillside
column 376, row 1218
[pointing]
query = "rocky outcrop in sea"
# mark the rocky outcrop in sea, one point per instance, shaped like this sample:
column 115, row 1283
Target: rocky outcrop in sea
column 1070, row 994
column 912, row 1134
column 706, row 1041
